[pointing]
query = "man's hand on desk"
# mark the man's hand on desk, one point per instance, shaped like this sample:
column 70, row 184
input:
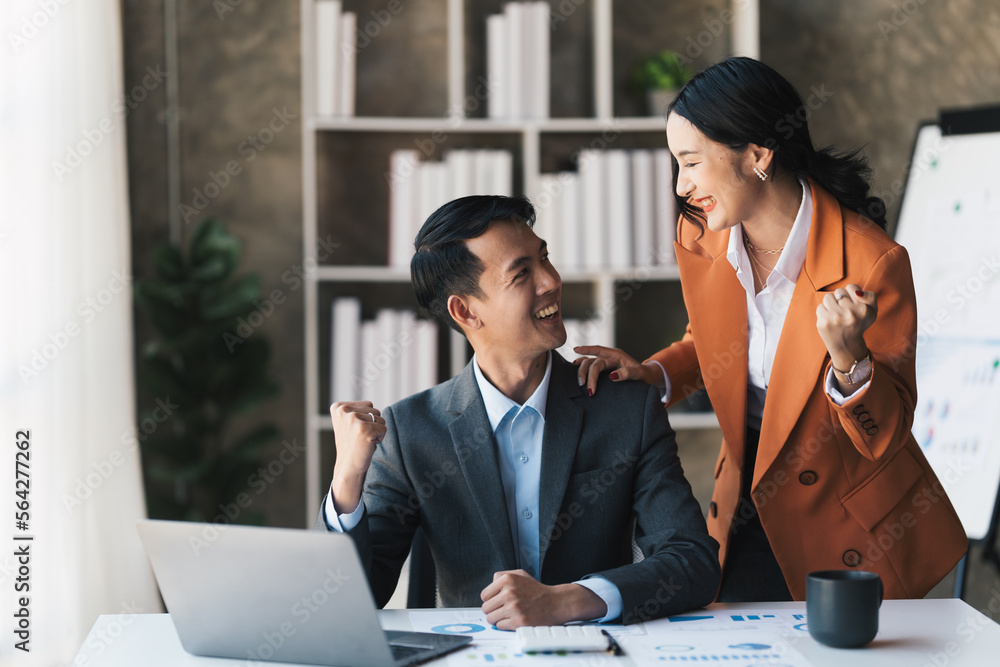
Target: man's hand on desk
column 515, row 598
column 357, row 428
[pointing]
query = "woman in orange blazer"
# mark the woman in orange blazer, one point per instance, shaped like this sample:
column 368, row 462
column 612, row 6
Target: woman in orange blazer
column 802, row 328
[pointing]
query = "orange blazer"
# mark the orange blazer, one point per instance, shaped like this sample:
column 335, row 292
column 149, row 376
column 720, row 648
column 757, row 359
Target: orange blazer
column 835, row 486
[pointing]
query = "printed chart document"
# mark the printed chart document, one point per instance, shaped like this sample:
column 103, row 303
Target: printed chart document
column 735, row 637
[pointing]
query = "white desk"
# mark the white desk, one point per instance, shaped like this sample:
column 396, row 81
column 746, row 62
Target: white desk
column 912, row 633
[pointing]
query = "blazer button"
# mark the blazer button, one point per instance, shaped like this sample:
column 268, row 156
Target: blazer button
column 868, row 424
column 858, row 409
column 863, row 417
column 808, row 478
column 872, row 431
column 852, row 558
column 713, row 509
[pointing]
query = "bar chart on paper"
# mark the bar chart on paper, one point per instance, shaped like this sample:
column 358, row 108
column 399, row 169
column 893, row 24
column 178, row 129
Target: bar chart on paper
column 736, row 637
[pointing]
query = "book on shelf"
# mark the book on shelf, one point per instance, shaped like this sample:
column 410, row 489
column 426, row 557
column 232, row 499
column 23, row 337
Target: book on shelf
column 403, row 204
column 348, row 62
column 345, row 333
column 537, row 59
column 381, row 360
column 418, row 188
column 336, row 59
column 593, row 205
column 571, row 240
column 548, row 216
column 518, row 57
column 666, row 208
column 497, row 76
column 619, row 209
column 616, row 212
column 643, row 209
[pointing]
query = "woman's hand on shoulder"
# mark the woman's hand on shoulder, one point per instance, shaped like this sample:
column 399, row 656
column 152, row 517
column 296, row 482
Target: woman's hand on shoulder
column 842, row 319
column 621, row 365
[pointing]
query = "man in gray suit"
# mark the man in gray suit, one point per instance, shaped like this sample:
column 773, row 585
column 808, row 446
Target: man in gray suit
column 527, row 489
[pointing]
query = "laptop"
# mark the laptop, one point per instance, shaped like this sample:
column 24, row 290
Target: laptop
column 276, row 594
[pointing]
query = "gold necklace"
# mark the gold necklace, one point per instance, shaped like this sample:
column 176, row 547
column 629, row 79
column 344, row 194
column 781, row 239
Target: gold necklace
column 753, row 269
column 756, row 264
column 756, row 249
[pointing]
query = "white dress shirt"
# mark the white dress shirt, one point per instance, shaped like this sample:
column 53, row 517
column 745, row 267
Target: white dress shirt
column 518, row 431
column 766, row 310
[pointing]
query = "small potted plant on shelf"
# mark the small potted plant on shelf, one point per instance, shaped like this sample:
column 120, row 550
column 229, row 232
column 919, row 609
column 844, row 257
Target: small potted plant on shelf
column 661, row 76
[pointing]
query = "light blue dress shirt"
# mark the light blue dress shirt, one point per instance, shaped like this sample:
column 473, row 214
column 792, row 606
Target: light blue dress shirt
column 518, row 431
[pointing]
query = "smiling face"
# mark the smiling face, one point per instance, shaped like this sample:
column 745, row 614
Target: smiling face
column 713, row 177
column 518, row 313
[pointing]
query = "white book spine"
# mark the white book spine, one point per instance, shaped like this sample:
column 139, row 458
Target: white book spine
column 370, row 386
column 496, row 65
column 461, row 173
column 502, row 173
column 619, row 220
column 426, row 190
column 593, row 203
column 540, row 68
column 404, row 176
column 327, row 57
column 426, row 348
column 408, row 353
column 482, row 166
column 345, row 344
column 348, row 61
column 570, row 223
column 387, row 360
column 603, row 54
column 434, row 176
column 548, row 214
column 666, row 208
column 514, row 12
column 643, row 208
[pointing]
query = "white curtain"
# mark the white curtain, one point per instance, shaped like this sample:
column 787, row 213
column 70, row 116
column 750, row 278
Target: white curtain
column 66, row 335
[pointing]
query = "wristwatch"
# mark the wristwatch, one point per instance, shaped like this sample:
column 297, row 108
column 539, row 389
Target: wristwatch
column 860, row 371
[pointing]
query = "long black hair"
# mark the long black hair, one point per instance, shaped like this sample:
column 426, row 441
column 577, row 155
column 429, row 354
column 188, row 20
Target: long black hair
column 742, row 101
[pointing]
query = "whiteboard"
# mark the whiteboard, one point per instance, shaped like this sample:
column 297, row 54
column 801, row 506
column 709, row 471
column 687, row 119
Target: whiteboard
column 949, row 223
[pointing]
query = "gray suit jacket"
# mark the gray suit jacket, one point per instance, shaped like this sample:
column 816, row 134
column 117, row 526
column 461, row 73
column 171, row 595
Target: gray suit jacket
column 605, row 459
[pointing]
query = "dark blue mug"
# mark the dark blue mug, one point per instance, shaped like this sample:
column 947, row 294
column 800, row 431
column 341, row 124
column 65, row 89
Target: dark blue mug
column 842, row 607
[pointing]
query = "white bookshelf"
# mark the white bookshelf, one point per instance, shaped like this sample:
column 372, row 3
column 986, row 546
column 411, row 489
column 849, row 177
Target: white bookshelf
column 529, row 135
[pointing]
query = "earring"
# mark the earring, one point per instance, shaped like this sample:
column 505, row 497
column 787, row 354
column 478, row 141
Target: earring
column 760, row 173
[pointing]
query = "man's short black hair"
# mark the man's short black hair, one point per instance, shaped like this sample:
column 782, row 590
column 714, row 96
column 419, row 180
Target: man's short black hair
column 443, row 265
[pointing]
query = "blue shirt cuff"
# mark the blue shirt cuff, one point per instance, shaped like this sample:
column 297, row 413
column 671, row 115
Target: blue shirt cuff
column 608, row 592
column 834, row 393
column 343, row 522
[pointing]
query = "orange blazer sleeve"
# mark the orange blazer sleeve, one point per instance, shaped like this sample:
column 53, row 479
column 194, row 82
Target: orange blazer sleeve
column 878, row 418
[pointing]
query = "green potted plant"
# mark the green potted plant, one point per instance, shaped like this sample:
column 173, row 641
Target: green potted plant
column 661, row 76
column 200, row 380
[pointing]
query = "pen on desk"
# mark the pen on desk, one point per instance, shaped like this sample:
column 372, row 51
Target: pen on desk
column 613, row 646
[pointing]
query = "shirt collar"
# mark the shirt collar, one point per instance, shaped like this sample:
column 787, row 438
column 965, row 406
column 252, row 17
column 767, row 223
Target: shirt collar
column 498, row 405
column 794, row 255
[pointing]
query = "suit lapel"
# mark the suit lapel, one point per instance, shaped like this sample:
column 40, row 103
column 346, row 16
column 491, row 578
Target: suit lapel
column 801, row 354
column 719, row 321
column 476, row 449
column 563, row 426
